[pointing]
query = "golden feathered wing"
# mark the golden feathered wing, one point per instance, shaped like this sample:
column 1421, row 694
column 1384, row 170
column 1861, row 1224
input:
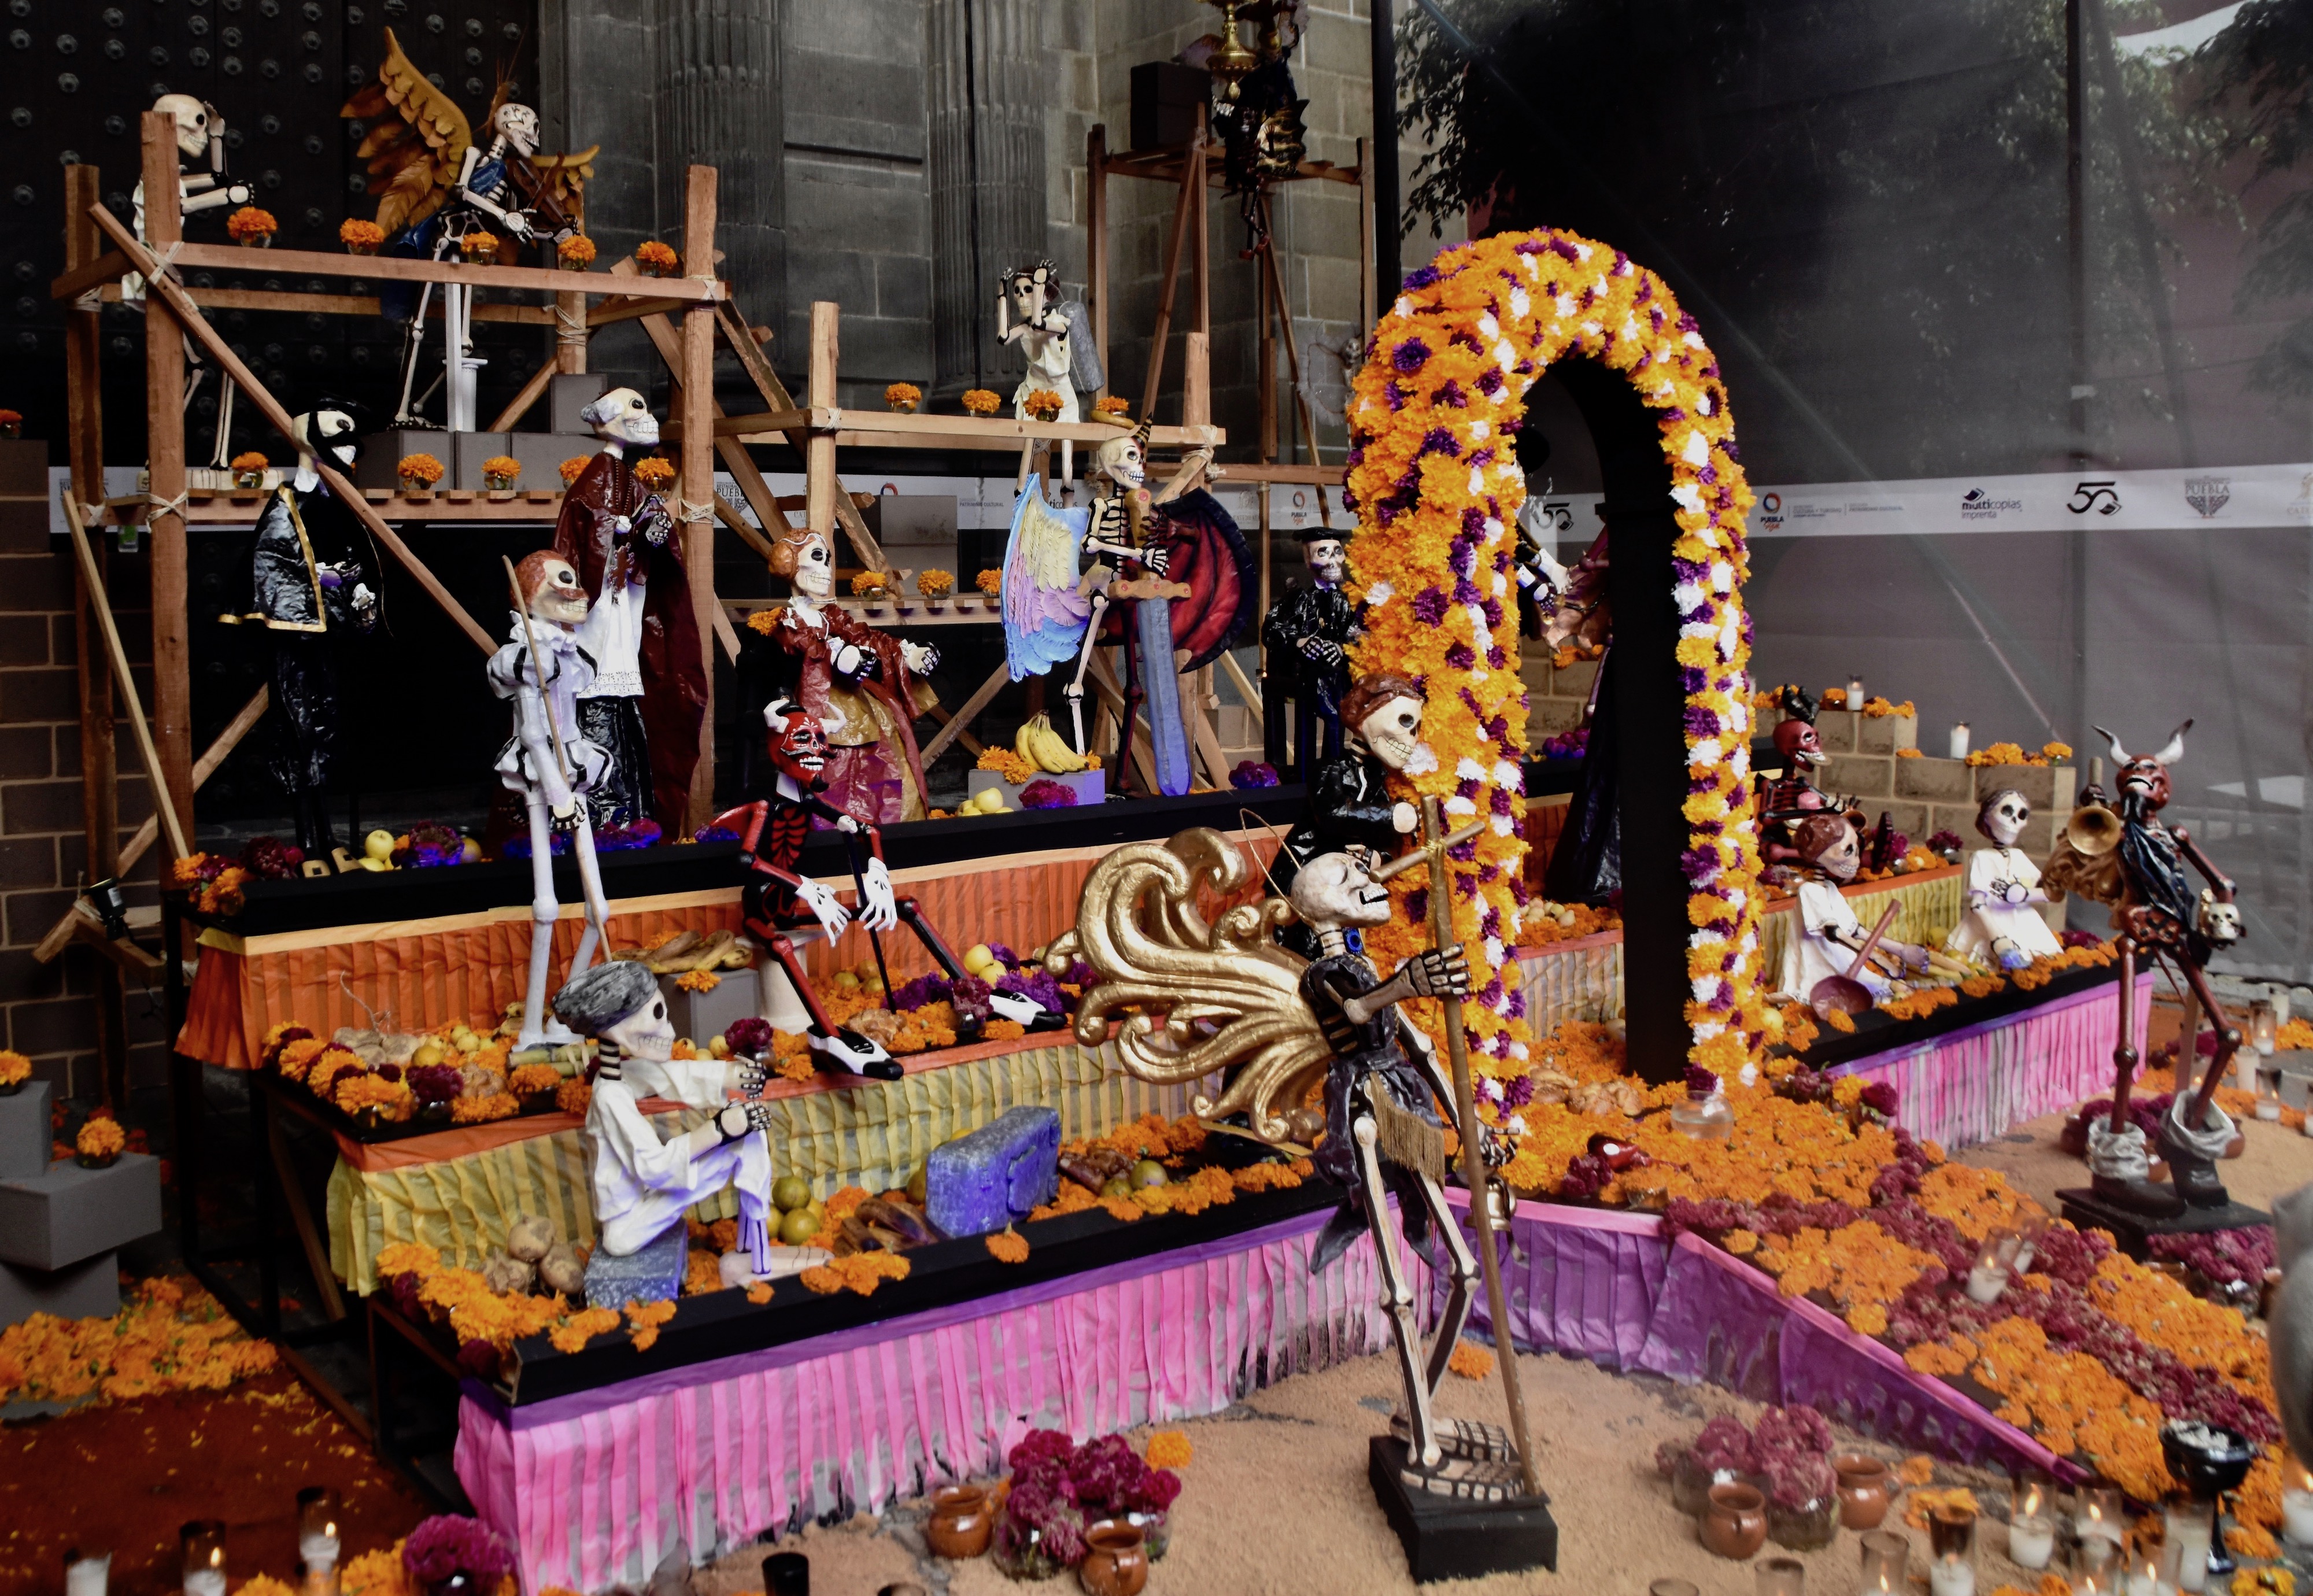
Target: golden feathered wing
column 415, row 143
column 1194, row 999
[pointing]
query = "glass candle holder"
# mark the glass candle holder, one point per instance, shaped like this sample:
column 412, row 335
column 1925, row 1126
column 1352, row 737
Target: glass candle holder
column 2031, row 1539
column 787, row 1574
column 1781, row 1576
column 2140, row 1575
column 202, row 1542
column 2264, row 1027
column 1951, row 1552
column 86, row 1573
column 1887, row 1563
column 1957, row 747
column 2185, row 1555
column 2297, row 1503
column 318, row 1539
column 2097, row 1514
column 1855, row 693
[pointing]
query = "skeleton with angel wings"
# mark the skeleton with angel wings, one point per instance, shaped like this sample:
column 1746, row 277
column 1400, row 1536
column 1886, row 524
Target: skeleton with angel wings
column 436, row 187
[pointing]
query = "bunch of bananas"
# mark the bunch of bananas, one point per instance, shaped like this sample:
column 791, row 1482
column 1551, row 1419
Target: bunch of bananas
column 1045, row 749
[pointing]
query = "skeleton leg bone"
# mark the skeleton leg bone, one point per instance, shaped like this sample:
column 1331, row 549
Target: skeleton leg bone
column 1467, row 1439
column 1075, row 688
column 545, row 909
column 1397, row 1296
column 413, row 344
column 849, row 1051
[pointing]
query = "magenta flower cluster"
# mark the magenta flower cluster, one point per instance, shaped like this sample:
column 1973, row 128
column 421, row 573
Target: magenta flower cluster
column 447, row 1544
column 1058, row 1489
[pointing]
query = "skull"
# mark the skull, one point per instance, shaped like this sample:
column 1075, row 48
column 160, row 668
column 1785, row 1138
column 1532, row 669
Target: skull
column 621, row 417
column 551, row 588
column 2004, row 817
column 1796, row 741
column 798, row 743
column 1030, row 289
column 1121, row 461
column 2143, row 779
column 518, row 126
column 194, row 122
column 1328, row 562
column 2220, row 919
column 812, row 571
column 1829, row 843
column 327, row 432
column 1338, row 890
column 1394, row 731
column 646, row 1034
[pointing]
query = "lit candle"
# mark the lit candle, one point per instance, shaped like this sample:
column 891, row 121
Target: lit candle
column 1951, row 1546
column 1988, row 1279
column 2188, row 1540
column 2142, row 1578
column 203, row 1541
column 2264, row 1028
column 1854, row 692
column 85, row 1574
column 1949, row 1576
column 2297, row 1505
column 2031, row 1540
column 1958, row 740
column 1886, row 1557
column 2099, row 1515
column 317, row 1540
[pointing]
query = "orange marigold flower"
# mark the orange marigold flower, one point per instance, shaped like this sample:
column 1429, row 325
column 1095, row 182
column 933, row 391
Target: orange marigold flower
column 575, row 1096
column 100, row 1139
column 655, row 472
column 656, row 255
column 578, row 252
column 643, row 1322
column 1169, row 1448
column 15, row 1067
column 573, row 468
column 1007, row 1246
column 991, row 583
column 760, row 1293
column 982, row 402
column 534, row 1078
column 1470, row 1361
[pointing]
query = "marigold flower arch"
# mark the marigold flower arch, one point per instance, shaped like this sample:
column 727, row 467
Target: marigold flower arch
column 1435, row 482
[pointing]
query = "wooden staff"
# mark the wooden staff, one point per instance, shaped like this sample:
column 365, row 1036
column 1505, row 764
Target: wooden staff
column 163, row 804
column 1474, row 1174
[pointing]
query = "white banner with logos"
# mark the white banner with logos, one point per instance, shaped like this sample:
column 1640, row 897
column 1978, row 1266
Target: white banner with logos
column 2248, row 495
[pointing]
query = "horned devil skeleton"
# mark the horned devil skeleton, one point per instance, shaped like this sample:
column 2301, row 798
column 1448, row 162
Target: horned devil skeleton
column 1202, row 998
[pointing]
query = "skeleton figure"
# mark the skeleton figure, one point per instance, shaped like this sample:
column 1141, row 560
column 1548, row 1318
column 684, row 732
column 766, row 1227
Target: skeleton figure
column 1349, row 804
column 1057, row 338
column 200, row 136
column 438, row 188
column 1793, row 796
column 1209, row 997
column 2155, row 912
column 644, row 1184
column 1830, row 935
column 2001, row 927
column 772, row 833
column 551, row 764
column 1121, row 534
column 1307, row 633
column 308, row 590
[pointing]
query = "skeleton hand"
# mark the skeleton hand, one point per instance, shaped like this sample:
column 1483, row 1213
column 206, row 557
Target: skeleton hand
column 238, row 194
column 1157, row 557
column 851, row 660
column 1494, row 1149
column 1440, row 972
column 2008, row 955
column 833, row 916
column 878, row 911
column 1403, row 819
column 734, row 1120
column 919, row 659
column 653, row 521
column 365, row 604
column 749, row 1076
column 519, row 226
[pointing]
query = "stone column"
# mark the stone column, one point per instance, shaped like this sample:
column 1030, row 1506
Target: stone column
column 988, row 96
column 721, row 105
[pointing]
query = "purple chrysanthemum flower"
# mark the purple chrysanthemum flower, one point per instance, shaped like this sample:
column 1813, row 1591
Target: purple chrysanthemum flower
column 1411, row 356
column 1429, row 606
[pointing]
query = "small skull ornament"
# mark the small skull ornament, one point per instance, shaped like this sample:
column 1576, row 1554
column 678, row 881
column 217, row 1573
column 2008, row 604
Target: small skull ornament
column 2219, row 919
column 1328, row 562
column 2004, row 817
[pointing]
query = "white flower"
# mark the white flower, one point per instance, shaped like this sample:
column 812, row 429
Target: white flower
column 1515, row 1123
column 1722, row 576
column 1504, row 357
column 1566, row 306
column 1477, row 479
column 1502, row 584
column 1379, row 595
column 1748, row 1074
column 1518, row 1051
column 1738, row 762
column 1479, row 632
column 1686, row 595
column 1494, row 527
column 1459, row 805
column 1705, row 987
column 1698, row 629
column 1403, row 307
column 1533, row 267
column 1749, row 944
column 1693, row 341
column 1704, row 753
column 1730, row 636
column 1519, row 303
column 1593, row 329
column 1488, row 325
column 1478, row 674
column 1466, row 769
column 1489, row 1089
column 1507, row 774
column 1688, row 496
column 1422, row 760
column 1502, row 825
column 1480, row 428
column 1583, row 251
column 1702, row 404
column 1697, row 451
column 1495, row 951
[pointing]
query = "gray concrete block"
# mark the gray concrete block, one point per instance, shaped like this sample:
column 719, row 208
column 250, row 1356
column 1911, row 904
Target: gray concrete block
column 1573, row 680
column 1884, row 734
column 541, row 454
column 89, row 1289
column 1938, row 781
column 468, row 450
column 1910, row 818
column 652, row 1274
column 56, row 1219
column 2038, row 783
column 1547, row 717
column 24, row 1132
column 567, row 393
column 1860, row 775
column 995, row 1175
column 700, row 1017
column 382, row 457
column 1835, row 728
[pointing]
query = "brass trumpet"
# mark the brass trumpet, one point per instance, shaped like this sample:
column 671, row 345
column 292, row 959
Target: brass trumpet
column 2093, row 830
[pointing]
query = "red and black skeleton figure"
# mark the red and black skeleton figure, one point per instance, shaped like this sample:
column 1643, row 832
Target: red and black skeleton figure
column 2118, row 853
column 779, row 899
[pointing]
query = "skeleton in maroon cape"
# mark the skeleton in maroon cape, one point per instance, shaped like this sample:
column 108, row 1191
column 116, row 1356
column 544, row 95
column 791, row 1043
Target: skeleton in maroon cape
column 649, row 695
column 864, row 687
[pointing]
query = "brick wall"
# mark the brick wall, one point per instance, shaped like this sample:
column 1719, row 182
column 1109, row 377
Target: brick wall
column 50, row 1011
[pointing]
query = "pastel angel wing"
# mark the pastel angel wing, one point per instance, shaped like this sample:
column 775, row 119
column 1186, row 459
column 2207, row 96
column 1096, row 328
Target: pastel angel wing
column 416, row 141
column 1044, row 615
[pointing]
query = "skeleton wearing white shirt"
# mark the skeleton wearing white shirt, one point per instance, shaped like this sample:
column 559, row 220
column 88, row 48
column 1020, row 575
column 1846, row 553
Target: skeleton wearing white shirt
column 1829, row 935
column 2002, row 926
column 642, row 1182
column 200, row 136
column 542, row 670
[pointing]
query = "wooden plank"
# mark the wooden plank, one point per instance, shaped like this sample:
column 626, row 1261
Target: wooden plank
column 1096, row 237
column 1364, row 234
column 240, row 507
column 531, row 393
column 819, row 450
column 749, row 348
column 212, row 257
column 127, row 683
column 1162, row 327
column 1301, row 476
column 570, row 325
column 962, row 721
column 336, row 304
column 971, row 744
column 79, row 279
column 164, row 445
column 1197, row 348
column 165, row 289
column 698, row 495
column 300, row 1217
column 733, row 455
column 890, row 429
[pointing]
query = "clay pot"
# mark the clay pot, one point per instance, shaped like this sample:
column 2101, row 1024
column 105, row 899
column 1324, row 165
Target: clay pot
column 961, row 1523
column 1862, row 1491
column 1734, row 1523
column 1116, row 1563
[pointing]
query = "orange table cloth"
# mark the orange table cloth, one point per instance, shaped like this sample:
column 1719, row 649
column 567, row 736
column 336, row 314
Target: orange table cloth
column 418, row 975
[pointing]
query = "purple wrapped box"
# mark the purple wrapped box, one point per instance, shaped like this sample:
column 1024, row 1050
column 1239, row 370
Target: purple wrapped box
column 995, row 1175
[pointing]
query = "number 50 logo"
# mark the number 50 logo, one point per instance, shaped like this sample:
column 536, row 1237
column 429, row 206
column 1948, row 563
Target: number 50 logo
column 2103, row 497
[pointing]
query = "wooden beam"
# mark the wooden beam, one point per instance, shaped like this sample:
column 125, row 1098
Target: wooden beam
column 819, row 451
column 570, row 327
column 971, row 744
column 79, row 279
column 1197, row 348
column 165, row 455
column 962, row 721
column 1300, row 476
column 531, row 393
column 163, row 288
column 698, row 496
column 890, row 429
column 213, row 257
column 1096, row 238
column 745, row 344
column 300, row 1217
column 1163, row 324
column 336, row 304
column 751, row 486
column 127, row 683
column 1365, row 238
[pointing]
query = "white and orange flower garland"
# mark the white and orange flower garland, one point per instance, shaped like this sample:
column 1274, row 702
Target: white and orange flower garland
column 1435, row 482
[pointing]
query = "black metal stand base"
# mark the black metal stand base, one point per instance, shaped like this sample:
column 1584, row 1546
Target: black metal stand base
column 2086, row 1209
column 1444, row 1538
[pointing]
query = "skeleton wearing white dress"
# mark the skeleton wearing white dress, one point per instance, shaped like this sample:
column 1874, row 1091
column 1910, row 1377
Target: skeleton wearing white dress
column 2002, row 925
column 1829, row 935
